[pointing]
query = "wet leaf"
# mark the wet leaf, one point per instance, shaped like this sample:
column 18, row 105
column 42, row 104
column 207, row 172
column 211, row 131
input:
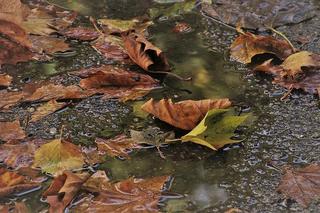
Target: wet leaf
column 48, row 45
column 57, row 156
column 178, row 8
column 248, row 45
column 13, row 11
column 62, row 190
column 9, row 99
column 15, row 33
column 119, row 25
column 182, row 27
column 46, row 109
column 125, row 196
column 11, row 131
column 5, row 80
column 185, row 114
column 215, row 130
column 257, row 14
column 302, row 185
column 143, row 53
column 81, row 33
column 12, row 182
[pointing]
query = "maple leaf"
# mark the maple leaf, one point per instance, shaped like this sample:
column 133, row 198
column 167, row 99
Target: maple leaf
column 184, row 114
column 11, row 131
column 57, row 156
column 248, row 45
column 5, row 80
column 125, row 196
column 215, row 130
column 63, row 189
column 47, row 109
column 302, row 185
column 143, row 53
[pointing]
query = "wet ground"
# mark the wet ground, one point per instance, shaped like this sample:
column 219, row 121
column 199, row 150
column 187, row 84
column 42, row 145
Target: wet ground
column 240, row 176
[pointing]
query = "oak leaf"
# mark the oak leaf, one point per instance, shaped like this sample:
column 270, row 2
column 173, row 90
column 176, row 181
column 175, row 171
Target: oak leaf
column 302, row 185
column 184, row 114
column 57, row 156
column 11, row 131
column 46, row 109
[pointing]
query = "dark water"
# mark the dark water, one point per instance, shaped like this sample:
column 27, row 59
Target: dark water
column 235, row 177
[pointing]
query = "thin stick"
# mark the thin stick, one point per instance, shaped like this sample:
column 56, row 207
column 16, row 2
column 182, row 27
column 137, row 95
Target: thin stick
column 283, row 36
column 286, row 95
column 172, row 140
column 93, row 22
column 218, row 21
column 172, row 74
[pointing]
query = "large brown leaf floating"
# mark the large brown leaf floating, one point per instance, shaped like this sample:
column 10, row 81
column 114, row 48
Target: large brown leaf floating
column 11, row 131
column 131, row 195
column 302, row 185
column 144, row 53
column 12, row 182
column 5, row 80
column 184, row 114
column 46, row 109
column 248, row 45
column 62, row 190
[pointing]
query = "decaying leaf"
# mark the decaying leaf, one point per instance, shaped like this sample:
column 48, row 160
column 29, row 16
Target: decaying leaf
column 182, row 27
column 248, row 45
column 14, row 33
column 9, row 99
column 48, row 45
column 118, row 25
column 62, row 190
column 302, row 185
column 178, row 8
column 5, row 80
column 12, row 182
column 185, row 114
column 215, row 130
column 46, row 109
column 125, row 196
column 57, row 156
column 13, row 11
column 81, row 33
column 11, row 131
column 143, row 53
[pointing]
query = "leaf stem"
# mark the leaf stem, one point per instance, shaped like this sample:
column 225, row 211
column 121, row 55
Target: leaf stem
column 283, row 36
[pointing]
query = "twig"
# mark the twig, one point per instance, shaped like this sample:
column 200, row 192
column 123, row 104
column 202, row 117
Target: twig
column 286, row 95
column 218, row 21
column 283, row 36
column 94, row 23
column 172, row 74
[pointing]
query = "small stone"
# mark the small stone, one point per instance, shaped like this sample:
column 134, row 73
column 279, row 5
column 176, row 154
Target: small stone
column 53, row 131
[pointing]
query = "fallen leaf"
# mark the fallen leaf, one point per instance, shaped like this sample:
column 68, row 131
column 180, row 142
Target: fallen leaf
column 248, row 45
column 48, row 45
column 129, row 195
column 177, row 9
column 233, row 210
column 143, row 53
column 11, row 131
column 215, row 130
column 62, row 191
column 302, row 185
column 118, row 25
column 9, row 99
column 57, row 156
column 81, row 33
column 182, row 27
column 5, row 80
column 13, row 11
column 47, row 109
column 14, row 33
column 12, row 182
column 185, row 114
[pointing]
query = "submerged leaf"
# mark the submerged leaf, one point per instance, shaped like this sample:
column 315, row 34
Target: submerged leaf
column 119, row 25
column 185, row 114
column 215, row 130
column 46, row 109
column 58, row 155
column 302, row 185
column 178, row 8
column 11, row 131
column 48, row 45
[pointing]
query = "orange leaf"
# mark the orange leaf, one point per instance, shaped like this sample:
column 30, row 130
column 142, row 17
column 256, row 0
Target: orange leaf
column 11, row 131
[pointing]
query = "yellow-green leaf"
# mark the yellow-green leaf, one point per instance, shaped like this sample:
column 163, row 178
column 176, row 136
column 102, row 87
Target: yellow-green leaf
column 215, row 130
column 176, row 9
column 57, row 156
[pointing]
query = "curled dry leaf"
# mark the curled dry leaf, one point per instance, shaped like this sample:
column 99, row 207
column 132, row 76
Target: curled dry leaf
column 5, row 80
column 12, row 182
column 11, row 131
column 125, row 196
column 57, row 156
column 81, row 33
column 248, row 45
column 62, row 190
column 302, row 185
column 143, row 53
column 185, row 114
column 46, row 109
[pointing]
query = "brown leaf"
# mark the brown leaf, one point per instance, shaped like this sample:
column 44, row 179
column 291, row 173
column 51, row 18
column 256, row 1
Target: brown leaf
column 184, row 114
column 48, row 45
column 11, row 131
column 18, row 155
column 5, row 80
column 143, row 53
column 248, row 45
column 12, row 182
column 47, row 109
column 19, row 207
column 14, row 33
column 9, row 99
column 182, row 27
column 81, row 33
column 130, row 195
column 62, row 191
column 13, row 11
column 119, row 146
column 302, row 185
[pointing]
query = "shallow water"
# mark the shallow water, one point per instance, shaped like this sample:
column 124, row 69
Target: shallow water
column 239, row 176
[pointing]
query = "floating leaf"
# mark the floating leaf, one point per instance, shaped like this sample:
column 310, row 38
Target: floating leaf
column 58, row 155
column 184, row 114
column 46, row 109
column 11, row 131
column 125, row 196
column 5, row 80
column 248, row 45
column 302, row 185
column 215, row 130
